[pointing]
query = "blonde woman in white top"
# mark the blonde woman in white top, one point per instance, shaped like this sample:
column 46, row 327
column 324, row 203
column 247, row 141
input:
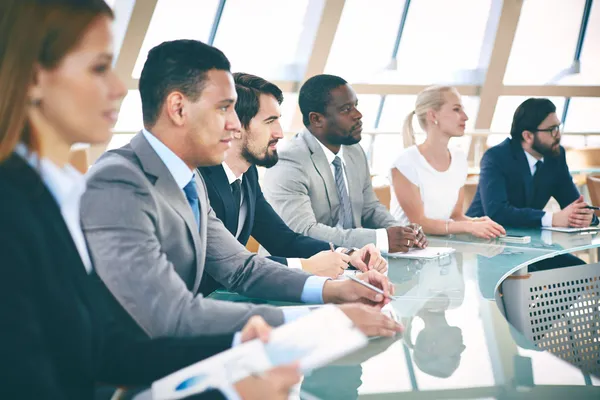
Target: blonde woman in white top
column 428, row 179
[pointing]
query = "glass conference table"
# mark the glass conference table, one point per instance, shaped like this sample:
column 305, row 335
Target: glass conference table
column 457, row 341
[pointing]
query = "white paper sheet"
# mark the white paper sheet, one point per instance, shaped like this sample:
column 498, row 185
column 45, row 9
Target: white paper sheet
column 322, row 336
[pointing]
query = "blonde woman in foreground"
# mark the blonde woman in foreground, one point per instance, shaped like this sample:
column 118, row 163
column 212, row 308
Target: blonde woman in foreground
column 428, row 179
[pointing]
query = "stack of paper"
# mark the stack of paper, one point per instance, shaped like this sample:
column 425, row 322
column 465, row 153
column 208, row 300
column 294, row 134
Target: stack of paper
column 317, row 339
column 428, row 253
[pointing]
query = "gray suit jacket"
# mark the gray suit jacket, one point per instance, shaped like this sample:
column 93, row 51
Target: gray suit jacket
column 149, row 252
column 302, row 190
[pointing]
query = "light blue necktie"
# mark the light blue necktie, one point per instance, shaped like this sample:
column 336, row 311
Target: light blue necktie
column 345, row 213
column 192, row 197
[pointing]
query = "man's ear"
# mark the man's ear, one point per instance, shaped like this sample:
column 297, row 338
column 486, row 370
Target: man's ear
column 527, row 136
column 316, row 119
column 176, row 108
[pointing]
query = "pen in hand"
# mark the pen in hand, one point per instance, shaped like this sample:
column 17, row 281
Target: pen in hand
column 592, row 208
column 368, row 285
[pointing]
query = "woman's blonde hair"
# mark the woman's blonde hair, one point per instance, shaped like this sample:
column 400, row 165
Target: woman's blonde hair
column 431, row 98
column 35, row 33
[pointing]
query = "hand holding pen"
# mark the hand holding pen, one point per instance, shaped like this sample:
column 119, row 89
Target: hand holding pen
column 421, row 240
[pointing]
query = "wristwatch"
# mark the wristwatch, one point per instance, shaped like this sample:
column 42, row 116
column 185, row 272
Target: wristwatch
column 349, row 252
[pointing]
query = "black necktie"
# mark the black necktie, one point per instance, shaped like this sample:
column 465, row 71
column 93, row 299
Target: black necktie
column 538, row 165
column 236, row 190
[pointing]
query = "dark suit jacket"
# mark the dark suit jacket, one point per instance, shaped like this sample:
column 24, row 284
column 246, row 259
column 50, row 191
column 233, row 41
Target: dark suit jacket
column 262, row 222
column 508, row 194
column 56, row 341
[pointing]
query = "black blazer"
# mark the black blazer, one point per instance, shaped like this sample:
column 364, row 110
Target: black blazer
column 508, row 194
column 262, row 222
column 56, row 341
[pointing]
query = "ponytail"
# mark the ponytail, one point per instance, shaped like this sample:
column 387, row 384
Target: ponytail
column 408, row 133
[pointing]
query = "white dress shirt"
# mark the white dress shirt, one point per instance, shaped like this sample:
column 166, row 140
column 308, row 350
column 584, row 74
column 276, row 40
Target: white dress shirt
column 531, row 160
column 292, row 262
column 381, row 238
column 66, row 185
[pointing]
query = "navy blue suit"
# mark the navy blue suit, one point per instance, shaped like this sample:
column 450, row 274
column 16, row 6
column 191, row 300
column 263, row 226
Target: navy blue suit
column 511, row 196
column 262, row 222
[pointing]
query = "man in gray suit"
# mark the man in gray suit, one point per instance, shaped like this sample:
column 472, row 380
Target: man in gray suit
column 152, row 233
column 321, row 186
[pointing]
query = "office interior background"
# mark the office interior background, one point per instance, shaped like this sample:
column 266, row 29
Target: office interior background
column 497, row 53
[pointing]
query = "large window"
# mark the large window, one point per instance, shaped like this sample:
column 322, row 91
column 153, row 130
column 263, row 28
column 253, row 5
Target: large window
column 364, row 39
column 583, row 115
column 440, row 46
column 545, row 41
column 590, row 54
column 177, row 19
column 263, row 37
column 442, row 42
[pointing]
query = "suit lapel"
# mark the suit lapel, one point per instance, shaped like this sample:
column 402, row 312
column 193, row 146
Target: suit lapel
column 165, row 184
column 30, row 183
column 523, row 168
column 354, row 190
column 202, row 230
column 323, row 169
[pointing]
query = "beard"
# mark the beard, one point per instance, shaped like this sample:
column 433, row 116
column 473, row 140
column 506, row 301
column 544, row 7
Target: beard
column 267, row 160
column 349, row 140
column 545, row 150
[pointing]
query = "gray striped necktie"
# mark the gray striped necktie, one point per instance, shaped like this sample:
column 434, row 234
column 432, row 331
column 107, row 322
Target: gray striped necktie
column 345, row 213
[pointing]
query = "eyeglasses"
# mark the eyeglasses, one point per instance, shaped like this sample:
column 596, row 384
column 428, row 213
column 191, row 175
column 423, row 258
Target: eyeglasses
column 553, row 130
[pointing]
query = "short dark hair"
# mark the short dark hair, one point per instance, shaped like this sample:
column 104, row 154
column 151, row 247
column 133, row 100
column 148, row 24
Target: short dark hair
column 176, row 65
column 314, row 94
column 529, row 115
column 249, row 88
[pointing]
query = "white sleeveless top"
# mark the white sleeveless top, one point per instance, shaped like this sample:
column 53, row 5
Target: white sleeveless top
column 439, row 190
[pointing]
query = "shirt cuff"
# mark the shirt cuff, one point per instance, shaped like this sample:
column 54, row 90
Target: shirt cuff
column 547, row 219
column 312, row 293
column 381, row 240
column 237, row 339
column 294, row 263
column 229, row 392
column 293, row 313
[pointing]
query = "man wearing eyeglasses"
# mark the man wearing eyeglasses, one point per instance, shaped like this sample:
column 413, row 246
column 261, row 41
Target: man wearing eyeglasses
column 519, row 175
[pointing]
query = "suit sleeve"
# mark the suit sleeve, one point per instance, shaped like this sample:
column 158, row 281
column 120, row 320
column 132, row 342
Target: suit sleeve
column 246, row 273
column 127, row 360
column 286, row 188
column 493, row 189
column 26, row 366
column 374, row 214
column 277, row 238
column 118, row 215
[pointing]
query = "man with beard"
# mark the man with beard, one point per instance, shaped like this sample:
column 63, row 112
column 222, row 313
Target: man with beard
column 237, row 199
column 321, row 186
column 519, row 175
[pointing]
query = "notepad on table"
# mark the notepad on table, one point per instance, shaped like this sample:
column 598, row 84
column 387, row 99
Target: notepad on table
column 314, row 340
column 427, row 253
column 571, row 230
